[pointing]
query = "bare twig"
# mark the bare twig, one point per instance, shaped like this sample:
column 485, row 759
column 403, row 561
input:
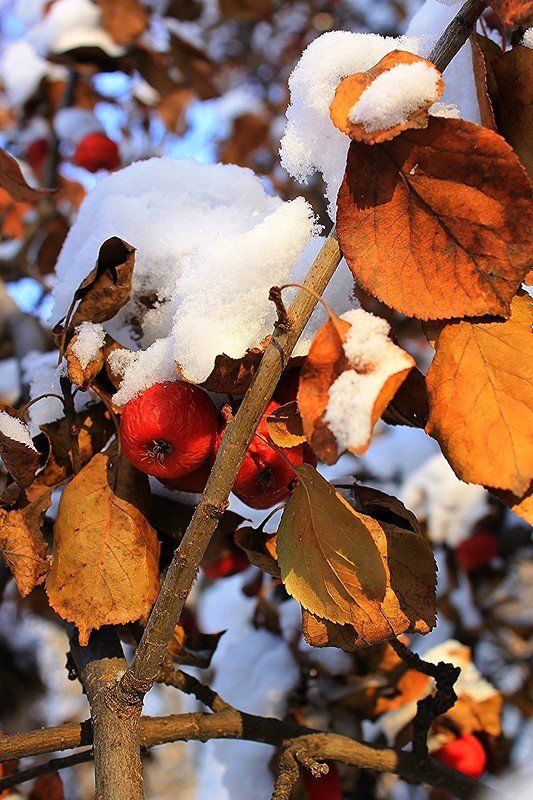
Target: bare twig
column 457, row 33
column 432, row 706
column 190, row 685
column 54, row 765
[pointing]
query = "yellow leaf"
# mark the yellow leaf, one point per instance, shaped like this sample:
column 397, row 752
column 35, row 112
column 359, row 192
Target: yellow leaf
column 285, row 427
column 105, row 562
column 21, row 541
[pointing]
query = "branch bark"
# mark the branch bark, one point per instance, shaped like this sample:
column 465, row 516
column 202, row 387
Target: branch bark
column 117, row 756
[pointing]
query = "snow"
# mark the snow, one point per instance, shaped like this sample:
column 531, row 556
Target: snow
column 70, row 24
column 206, row 236
column 395, row 94
column 74, row 124
column 15, row 429
column 450, row 507
column 42, row 373
column 89, row 341
column 527, row 38
column 254, row 670
column 470, row 681
column 354, row 393
column 447, row 110
column 20, row 84
column 311, row 142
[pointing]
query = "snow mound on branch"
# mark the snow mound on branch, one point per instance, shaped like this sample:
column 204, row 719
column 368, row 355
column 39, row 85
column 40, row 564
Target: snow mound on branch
column 311, row 143
column 394, row 95
column 450, row 507
column 87, row 345
column 21, row 83
column 70, row 24
column 15, row 429
column 527, row 38
column 210, row 242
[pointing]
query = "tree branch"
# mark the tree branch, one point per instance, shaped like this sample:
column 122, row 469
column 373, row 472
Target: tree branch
column 182, row 571
column 54, row 765
column 117, row 757
column 457, row 33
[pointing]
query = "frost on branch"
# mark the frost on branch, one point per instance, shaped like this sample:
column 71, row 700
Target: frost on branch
column 310, row 143
column 205, row 237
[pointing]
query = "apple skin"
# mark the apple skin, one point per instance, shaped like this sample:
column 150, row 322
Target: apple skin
column 466, row 754
column 265, row 477
column 287, row 389
column 327, row 787
column 97, row 151
column 229, row 564
column 194, row 482
column 476, row 551
column 169, row 430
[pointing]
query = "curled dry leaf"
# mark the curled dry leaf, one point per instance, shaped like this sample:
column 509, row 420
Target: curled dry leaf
column 12, row 180
column 480, row 387
column 107, row 287
column 481, row 80
column 512, row 72
column 514, row 11
column 233, row 375
column 410, row 405
column 82, row 376
column 349, row 91
column 105, row 562
column 347, row 568
column 437, row 223
column 21, row 540
column 349, row 377
column 124, row 20
column 285, row 426
column 21, row 460
column 12, row 216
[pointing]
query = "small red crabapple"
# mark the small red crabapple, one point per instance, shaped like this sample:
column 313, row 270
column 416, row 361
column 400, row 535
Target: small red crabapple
column 476, row 551
column 169, row 430
column 465, row 754
column 97, row 151
column 326, row 787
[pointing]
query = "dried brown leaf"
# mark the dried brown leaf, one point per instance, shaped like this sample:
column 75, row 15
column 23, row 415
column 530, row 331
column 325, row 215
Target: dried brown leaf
column 21, row 461
column 512, row 72
column 12, row 180
column 21, row 540
column 105, row 567
column 82, row 376
column 124, row 20
column 348, row 568
column 260, row 547
column 514, row 11
column 285, row 426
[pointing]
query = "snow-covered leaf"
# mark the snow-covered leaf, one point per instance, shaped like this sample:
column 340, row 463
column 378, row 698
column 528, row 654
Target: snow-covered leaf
column 17, row 449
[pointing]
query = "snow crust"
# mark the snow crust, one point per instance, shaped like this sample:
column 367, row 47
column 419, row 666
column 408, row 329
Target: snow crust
column 470, row 681
column 87, row 346
column 210, row 242
column 449, row 506
column 395, row 94
column 20, row 84
column 15, row 429
column 311, row 143
column 353, row 394
column 74, row 124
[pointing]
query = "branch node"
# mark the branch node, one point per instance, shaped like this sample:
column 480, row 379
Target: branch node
column 215, row 511
column 125, row 697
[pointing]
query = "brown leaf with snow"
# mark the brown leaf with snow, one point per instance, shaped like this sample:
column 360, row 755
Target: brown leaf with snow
column 437, row 223
column 346, row 567
column 105, row 568
column 21, row 540
column 21, row 461
column 82, row 376
column 350, row 89
column 352, row 372
column 480, row 387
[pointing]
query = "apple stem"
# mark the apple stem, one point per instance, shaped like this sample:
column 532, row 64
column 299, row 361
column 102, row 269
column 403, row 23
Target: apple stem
column 312, row 292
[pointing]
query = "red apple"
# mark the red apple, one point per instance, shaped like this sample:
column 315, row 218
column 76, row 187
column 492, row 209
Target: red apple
column 228, row 564
column 287, row 389
column 327, row 787
column 465, row 754
column 37, row 153
column 169, row 430
column 97, row 151
column 265, row 476
column 194, row 482
column 476, row 551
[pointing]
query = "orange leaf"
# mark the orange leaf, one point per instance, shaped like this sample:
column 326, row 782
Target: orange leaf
column 522, row 506
column 21, row 540
column 349, row 377
column 365, row 118
column 437, row 223
column 480, row 387
column 124, row 20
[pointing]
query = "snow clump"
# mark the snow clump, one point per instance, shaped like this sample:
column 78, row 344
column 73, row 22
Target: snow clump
column 15, row 429
column 90, row 339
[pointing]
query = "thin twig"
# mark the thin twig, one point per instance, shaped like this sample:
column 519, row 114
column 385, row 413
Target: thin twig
column 54, row 765
column 457, row 33
column 432, row 706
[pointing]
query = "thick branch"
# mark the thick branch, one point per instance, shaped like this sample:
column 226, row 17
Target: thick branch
column 182, row 571
column 233, row 724
column 117, row 757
